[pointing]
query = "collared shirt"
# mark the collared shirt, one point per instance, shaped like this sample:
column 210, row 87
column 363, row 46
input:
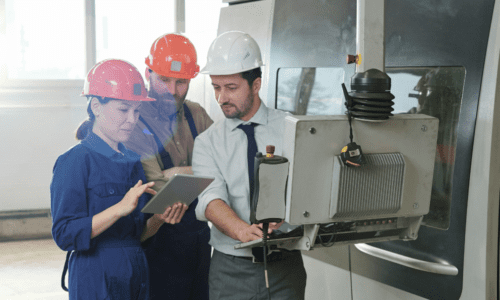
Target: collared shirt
column 176, row 137
column 221, row 152
column 87, row 179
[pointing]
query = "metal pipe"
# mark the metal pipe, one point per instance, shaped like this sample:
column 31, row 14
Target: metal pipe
column 180, row 16
column 90, row 35
column 370, row 42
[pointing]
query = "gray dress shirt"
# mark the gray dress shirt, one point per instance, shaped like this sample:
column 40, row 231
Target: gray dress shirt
column 221, row 152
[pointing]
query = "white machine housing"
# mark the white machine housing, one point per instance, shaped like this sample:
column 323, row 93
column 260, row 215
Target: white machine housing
column 312, row 144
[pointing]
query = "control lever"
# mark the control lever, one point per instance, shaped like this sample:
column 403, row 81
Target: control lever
column 272, row 169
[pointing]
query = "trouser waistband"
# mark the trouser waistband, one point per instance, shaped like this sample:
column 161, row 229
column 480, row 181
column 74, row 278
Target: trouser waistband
column 275, row 256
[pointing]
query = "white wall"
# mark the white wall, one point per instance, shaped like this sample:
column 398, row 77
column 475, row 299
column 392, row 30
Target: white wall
column 36, row 127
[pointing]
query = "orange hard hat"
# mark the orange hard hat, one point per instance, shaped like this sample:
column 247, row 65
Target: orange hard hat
column 173, row 55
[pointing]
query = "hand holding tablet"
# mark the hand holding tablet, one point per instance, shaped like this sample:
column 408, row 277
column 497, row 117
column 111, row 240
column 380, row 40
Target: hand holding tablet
column 180, row 188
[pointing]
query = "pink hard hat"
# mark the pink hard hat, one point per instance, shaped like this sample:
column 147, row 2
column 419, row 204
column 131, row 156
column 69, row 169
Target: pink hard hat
column 117, row 79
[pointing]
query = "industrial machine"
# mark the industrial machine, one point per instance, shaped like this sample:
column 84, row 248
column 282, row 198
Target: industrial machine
column 443, row 60
column 339, row 194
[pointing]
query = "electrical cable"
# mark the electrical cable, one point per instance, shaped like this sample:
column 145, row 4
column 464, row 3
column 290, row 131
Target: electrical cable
column 348, row 105
column 330, row 243
column 333, row 237
column 351, row 154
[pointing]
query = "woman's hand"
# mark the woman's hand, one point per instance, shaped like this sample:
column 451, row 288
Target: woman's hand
column 173, row 214
column 103, row 220
column 129, row 202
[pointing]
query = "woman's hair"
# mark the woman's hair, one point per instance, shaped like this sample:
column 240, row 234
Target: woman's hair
column 86, row 126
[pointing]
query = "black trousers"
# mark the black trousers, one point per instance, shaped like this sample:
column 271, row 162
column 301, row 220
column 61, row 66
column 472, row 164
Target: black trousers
column 179, row 264
column 233, row 277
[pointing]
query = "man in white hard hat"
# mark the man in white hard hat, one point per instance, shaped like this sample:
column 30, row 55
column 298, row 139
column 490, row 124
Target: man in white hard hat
column 223, row 151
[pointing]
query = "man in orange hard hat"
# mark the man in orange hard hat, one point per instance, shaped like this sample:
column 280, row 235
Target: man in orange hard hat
column 178, row 255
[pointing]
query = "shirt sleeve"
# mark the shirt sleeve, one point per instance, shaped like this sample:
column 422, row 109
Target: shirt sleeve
column 71, row 222
column 204, row 164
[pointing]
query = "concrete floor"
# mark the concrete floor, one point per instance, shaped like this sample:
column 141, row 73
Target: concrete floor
column 31, row 270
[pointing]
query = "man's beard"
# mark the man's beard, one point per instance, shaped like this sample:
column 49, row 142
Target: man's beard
column 172, row 102
column 247, row 106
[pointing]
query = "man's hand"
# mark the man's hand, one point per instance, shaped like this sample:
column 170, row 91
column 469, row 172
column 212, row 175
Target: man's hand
column 272, row 226
column 228, row 222
column 253, row 232
column 169, row 173
column 250, row 233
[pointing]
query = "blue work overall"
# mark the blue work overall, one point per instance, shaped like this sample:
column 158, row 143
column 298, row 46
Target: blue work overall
column 88, row 179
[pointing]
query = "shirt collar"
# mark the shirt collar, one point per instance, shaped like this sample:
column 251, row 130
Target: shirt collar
column 260, row 118
column 94, row 142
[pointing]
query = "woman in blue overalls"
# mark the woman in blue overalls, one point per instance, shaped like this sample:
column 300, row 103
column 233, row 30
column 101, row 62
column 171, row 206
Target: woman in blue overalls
column 97, row 192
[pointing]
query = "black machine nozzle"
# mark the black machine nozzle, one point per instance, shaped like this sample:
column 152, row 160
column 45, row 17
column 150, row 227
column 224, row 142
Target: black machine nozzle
column 370, row 97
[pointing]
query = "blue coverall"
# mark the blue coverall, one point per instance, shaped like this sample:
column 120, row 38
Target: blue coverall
column 87, row 179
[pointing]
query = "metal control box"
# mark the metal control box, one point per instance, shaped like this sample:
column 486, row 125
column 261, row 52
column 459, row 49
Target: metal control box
column 312, row 145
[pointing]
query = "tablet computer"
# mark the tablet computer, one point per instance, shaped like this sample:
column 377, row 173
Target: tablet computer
column 180, row 188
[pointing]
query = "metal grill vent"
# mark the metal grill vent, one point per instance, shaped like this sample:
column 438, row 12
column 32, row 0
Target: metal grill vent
column 373, row 190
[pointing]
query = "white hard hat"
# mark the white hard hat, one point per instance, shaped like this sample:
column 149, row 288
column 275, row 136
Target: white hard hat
column 232, row 52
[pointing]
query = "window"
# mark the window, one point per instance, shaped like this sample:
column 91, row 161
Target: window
column 126, row 29
column 310, row 91
column 437, row 92
column 39, row 44
column 202, row 19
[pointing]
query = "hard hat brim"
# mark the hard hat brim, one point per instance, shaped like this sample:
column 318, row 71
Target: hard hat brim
column 206, row 70
column 135, row 99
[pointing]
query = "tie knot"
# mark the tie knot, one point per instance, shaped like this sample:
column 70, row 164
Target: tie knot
column 248, row 129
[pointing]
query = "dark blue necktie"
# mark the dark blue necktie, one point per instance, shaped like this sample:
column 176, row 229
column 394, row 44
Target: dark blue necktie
column 251, row 151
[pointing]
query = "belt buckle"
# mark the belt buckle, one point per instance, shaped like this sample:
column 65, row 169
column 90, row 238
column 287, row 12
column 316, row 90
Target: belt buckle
column 255, row 261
